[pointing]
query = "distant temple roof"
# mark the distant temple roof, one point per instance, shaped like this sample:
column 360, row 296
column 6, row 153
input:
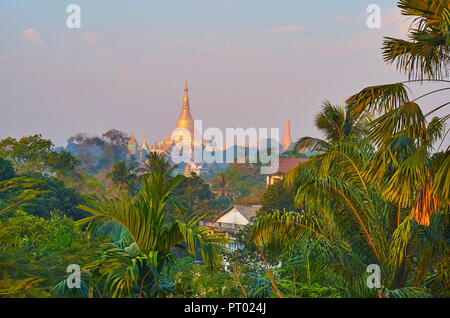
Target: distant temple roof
column 132, row 139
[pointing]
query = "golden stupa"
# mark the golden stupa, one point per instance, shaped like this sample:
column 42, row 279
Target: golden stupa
column 185, row 120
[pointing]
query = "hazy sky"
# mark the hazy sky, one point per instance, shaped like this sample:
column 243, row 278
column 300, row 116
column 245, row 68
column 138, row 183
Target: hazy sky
column 249, row 63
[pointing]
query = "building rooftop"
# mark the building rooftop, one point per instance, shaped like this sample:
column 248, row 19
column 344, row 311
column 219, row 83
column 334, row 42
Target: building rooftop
column 248, row 211
column 284, row 165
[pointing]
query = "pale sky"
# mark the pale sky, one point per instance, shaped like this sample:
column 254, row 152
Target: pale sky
column 249, row 63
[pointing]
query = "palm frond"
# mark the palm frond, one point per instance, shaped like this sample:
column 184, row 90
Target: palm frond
column 310, row 144
column 283, row 227
column 441, row 183
column 407, row 119
column 408, row 178
column 426, row 55
column 381, row 98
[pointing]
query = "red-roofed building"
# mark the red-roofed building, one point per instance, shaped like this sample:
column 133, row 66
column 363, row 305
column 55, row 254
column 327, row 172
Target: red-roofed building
column 281, row 167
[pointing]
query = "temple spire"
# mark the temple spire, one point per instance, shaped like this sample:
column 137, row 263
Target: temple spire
column 144, row 144
column 132, row 139
column 185, row 120
column 186, row 97
column 287, row 141
column 132, row 145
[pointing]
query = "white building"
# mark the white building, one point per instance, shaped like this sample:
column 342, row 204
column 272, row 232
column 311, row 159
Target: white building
column 232, row 220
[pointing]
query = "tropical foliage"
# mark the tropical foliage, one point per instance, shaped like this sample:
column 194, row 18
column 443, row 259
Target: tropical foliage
column 374, row 192
column 135, row 270
column 380, row 197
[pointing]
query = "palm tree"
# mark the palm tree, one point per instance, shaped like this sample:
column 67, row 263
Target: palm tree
column 335, row 123
column 426, row 54
column 157, row 162
column 121, row 175
column 355, row 225
column 156, row 228
column 405, row 137
column 383, row 199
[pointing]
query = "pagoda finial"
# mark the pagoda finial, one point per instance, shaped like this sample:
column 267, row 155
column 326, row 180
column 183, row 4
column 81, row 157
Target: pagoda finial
column 186, row 97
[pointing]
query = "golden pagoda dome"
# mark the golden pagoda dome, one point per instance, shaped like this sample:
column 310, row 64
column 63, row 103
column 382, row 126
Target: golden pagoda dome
column 185, row 120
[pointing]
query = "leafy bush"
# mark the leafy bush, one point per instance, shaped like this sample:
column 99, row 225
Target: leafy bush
column 57, row 197
column 6, row 170
column 194, row 280
column 34, row 253
column 37, row 235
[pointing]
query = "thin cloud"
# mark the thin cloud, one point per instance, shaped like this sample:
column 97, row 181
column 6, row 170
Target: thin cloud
column 344, row 18
column 100, row 54
column 181, row 44
column 227, row 4
column 32, row 35
column 292, row 28
column 212, row 37
column 394, row 22
column 92, row 38
column 369, row 41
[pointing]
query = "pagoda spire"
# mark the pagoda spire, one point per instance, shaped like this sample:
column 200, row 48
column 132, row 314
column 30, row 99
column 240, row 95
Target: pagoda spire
column 185, row 119
column 186, row 98
column 132, row 144
column 132, row 139
column 144, row 144
column 287, row 141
